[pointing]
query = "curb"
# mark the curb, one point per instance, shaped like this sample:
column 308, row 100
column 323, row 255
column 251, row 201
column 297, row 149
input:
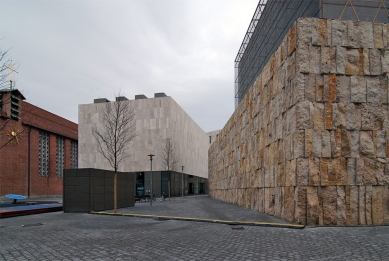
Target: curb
column 228, row 222
column 24, row 212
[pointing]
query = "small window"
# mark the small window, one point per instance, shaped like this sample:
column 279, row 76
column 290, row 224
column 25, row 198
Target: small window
column 15, row 107
column 74, row 154
column 210, row 139
column 44, row 153
column 60, row 156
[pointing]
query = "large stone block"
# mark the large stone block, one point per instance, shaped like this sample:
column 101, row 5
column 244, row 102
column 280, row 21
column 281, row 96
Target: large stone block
column 362, row 205
column 377, row 205
column 328, row 115
column 292, row 40
column 320, row 88
column 352, row 171
column 326, row 144
column 321, row 32
column 328, row 60
column 341, row 206
column 385, row 202
column 261, row 198
column 324, row 180
column 384, row 83
column 278, row 202
column 302, row 171
column 298, row 144
column 341, row 60
column 358, row 89
column 366, row 144
column 378, row 37
column 366, row 61
column 303, row 115
column 317, row 116
column 352, row 198
column 281, row 175
column 334, row 172
column 380, row 143
column 308, row 143
column 329, row 198
column 336, row 144
column 354, row 62
column 312, row 206
column 314, row 171
column 385, row 34
column 301, row 205
column 310, row 87
column 269, row 200
column 375, row 61
column 353, row 117
column 316, row 143
column 339, row 33
column 360, row 34
column 290, row 170
column 373, row 89
column 385, row 62
column 343, row 89
column 303, row 59
column 289, row 204
column 374, row 117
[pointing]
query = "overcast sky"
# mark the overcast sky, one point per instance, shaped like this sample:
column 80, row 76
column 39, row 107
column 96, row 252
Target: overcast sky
column 71, row 52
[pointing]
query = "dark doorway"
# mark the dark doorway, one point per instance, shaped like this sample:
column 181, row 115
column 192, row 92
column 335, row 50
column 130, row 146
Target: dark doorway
column 201, row 188
column 140, row 183
column 165, row 182
column 191, row 188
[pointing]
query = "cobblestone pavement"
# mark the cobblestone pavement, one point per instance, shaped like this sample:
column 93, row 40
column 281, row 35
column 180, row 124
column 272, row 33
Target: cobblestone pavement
column 68, row 236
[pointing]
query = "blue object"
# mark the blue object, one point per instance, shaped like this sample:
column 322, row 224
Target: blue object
column 15, row 197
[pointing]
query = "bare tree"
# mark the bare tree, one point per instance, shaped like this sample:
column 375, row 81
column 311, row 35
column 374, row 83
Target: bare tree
column 117, row 130
column 169, row 155
column 4, row 71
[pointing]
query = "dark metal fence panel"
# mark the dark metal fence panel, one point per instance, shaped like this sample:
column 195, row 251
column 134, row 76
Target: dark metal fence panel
column 86, row 190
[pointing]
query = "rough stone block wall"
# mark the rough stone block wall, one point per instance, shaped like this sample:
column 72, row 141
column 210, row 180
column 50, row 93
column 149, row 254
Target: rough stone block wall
column 309, row 143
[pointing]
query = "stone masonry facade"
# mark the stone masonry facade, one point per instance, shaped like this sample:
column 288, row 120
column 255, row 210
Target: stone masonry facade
column 310, row 141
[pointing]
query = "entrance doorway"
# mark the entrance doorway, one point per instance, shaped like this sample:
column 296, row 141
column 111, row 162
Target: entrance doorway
column 140, row 184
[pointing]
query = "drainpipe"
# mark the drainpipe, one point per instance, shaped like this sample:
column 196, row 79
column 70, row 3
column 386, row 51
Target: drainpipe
column 29, row 163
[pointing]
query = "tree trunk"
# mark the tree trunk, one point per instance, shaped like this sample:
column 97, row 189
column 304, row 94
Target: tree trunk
column 115, row 195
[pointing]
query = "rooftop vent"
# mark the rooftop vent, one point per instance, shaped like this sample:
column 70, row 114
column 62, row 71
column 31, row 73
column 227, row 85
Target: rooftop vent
column 140, row 96
column 159, row 94
column 121, row 98
column 101, row 100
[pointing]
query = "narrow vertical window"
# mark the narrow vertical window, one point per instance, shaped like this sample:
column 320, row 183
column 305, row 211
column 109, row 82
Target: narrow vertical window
column 210, row 139
column 60, row 156
column 44, row 154
column 74, row 154
column 15, row 107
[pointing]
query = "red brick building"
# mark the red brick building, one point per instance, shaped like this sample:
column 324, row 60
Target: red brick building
column 35, row 147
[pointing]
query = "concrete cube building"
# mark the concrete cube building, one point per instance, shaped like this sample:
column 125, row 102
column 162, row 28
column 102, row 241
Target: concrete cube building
column 157, row 119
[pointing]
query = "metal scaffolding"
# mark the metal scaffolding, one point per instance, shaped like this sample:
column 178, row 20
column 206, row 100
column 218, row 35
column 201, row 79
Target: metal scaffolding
column 273, row 19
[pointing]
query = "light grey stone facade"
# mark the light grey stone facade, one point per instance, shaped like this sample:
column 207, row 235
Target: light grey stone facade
column 156, row 119
column 212, row 135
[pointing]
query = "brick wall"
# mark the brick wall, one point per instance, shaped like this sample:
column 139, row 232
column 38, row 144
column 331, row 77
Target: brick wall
column 309, row 143
column 14, row 158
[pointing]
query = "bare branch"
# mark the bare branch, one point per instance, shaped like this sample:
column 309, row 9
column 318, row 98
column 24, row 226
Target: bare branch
column 116, row 132
column 169, row 156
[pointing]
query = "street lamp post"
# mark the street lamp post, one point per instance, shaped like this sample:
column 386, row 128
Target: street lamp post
column 182, row 179
column 151, row 178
